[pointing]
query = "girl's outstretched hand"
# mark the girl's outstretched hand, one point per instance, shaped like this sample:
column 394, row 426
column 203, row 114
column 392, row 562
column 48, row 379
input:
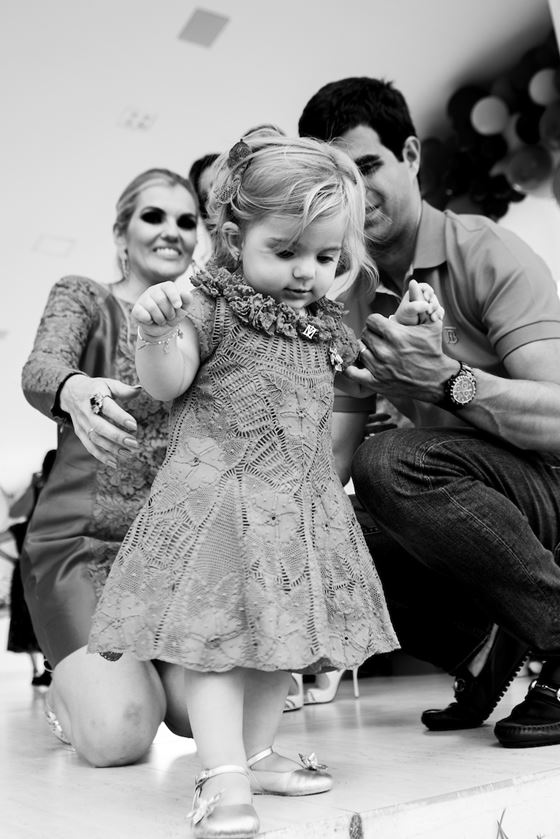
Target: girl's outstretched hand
column 160, row 308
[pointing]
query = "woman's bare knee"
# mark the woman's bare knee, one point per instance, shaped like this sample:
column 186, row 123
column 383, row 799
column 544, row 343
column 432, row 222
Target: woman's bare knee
column 117, row 737
column 110, row 710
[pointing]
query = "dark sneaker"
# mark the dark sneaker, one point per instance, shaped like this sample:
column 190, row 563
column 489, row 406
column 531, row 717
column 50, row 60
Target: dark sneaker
column 535, row 721
column 477, row 696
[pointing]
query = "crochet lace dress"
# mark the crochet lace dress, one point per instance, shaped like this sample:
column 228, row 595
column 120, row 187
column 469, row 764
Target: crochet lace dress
column 248, row 552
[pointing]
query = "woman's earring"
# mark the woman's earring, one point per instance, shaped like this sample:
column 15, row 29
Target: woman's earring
column 125, row 265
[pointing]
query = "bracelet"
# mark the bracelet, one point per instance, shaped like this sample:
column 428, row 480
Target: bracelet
column 146, row 342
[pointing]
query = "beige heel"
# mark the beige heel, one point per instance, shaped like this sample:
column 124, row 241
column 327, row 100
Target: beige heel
column 318, row 696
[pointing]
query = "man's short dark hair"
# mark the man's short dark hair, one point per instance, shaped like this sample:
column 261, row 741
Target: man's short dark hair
column 195, row 174
column 340, row 106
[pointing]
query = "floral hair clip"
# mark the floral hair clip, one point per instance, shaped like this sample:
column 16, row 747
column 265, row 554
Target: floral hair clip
column 238, row 159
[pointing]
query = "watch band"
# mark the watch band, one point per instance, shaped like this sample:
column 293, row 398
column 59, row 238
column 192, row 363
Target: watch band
column 460, row 389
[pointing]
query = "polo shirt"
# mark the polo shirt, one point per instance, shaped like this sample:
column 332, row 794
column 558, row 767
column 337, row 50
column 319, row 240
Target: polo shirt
column 497, row 293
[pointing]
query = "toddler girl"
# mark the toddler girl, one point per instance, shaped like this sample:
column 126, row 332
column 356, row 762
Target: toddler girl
column 247, row 562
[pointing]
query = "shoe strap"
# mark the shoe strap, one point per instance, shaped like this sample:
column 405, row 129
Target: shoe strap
column 225, row 769
column 555, row 691
column 259, row 756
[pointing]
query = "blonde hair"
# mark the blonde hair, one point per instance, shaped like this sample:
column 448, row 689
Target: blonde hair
column 268, row 174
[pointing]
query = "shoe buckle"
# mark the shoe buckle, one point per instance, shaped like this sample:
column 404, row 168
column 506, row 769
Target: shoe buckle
column 554, row 691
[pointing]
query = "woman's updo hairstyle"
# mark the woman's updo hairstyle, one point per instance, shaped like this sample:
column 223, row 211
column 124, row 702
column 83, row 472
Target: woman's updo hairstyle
column 268, row 174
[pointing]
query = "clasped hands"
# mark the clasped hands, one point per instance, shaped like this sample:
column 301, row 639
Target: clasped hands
column 399, row 360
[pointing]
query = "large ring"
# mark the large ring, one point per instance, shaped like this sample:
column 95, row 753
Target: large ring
column 96, row 402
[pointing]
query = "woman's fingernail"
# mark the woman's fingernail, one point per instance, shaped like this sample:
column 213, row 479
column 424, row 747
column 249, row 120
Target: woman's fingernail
column 112, row 463
column 124, row 452
column 130, row 442
column 130, row 424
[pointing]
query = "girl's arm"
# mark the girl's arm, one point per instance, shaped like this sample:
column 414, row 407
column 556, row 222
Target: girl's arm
column 167, row 349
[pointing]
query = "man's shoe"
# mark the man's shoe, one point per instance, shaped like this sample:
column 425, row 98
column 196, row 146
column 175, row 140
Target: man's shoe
column 477, row 696
column 535, row 721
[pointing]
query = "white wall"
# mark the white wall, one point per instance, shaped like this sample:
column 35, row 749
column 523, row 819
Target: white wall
column 70, row 68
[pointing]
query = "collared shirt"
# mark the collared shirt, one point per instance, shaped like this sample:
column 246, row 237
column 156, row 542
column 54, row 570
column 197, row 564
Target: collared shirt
column 498, row 295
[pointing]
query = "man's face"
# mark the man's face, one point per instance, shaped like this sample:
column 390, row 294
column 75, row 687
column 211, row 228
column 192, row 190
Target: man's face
column 392, row 195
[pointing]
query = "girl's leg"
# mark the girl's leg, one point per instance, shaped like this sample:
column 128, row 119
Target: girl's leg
column 110, row 711
column 215, row 707
column 265, row 694
column 173, row 678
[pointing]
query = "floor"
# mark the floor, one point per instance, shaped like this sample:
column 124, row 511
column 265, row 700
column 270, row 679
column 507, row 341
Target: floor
column 393, row 779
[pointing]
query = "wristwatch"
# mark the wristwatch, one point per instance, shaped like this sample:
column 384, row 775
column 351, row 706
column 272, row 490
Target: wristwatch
column 459, row 390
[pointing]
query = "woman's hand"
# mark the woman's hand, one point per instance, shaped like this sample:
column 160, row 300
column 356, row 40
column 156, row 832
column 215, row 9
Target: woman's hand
column 160, row 308
column 106, row 435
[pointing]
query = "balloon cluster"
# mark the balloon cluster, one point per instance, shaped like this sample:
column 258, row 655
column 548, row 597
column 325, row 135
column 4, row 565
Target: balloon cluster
column 505, row 142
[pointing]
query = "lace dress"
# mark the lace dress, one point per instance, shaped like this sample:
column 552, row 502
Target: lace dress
column 85, row 508
column 248, row 552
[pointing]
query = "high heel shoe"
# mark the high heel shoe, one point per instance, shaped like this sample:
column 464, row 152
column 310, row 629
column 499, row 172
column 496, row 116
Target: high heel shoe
column 319, row 695
column 55, row 726
column 212, row 820
column 294, row 701
column 308, row 780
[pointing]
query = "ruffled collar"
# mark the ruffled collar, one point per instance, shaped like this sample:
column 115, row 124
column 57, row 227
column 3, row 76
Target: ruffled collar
column 319, row 322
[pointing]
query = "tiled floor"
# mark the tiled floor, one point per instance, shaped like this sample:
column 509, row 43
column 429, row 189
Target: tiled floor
column 393, row 780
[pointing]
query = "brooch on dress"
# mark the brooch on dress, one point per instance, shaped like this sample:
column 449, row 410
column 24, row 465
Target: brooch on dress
column 336, row 359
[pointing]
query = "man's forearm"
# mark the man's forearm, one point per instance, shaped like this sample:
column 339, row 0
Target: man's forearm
column 522, row 412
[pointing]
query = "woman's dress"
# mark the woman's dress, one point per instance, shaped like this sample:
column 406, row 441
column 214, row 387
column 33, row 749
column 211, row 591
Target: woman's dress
column 85, row 508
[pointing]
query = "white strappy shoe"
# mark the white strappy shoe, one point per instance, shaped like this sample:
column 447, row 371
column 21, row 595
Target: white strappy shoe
column 319, row 695
column 294, row 699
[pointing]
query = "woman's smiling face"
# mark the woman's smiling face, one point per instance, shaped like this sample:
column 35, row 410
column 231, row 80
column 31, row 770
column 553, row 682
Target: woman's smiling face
column 161, row 234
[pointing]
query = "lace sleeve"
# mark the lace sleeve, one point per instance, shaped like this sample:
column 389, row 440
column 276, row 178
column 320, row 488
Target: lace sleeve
column 347, row 345
column 71, row 310
column 202, row 313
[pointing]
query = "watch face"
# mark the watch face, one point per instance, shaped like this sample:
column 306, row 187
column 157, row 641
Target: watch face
column 463, row 390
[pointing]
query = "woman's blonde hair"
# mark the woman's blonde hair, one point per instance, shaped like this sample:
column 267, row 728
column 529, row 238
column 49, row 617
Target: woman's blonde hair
column 268, row 174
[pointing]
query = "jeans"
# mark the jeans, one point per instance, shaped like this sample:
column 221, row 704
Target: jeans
column 464, row 531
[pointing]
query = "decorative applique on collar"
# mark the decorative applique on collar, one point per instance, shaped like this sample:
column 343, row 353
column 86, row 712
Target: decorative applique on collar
column 320, row 322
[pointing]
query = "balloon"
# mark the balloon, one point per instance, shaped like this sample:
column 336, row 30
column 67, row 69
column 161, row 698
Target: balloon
column 480, row 188
column 491, row 149
column 529, row 167
column 489, row 115
column 504, row 90
column 463, row 204
column 500, row 187
column 462, row 102
column 510, row 134
column 495, row 208
column 527, row 125
column 432, row 164
column 542, row 87
column 549, row 126
column 526, row 68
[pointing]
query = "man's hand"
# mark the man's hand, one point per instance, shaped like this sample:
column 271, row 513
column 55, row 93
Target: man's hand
column 405, row 360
